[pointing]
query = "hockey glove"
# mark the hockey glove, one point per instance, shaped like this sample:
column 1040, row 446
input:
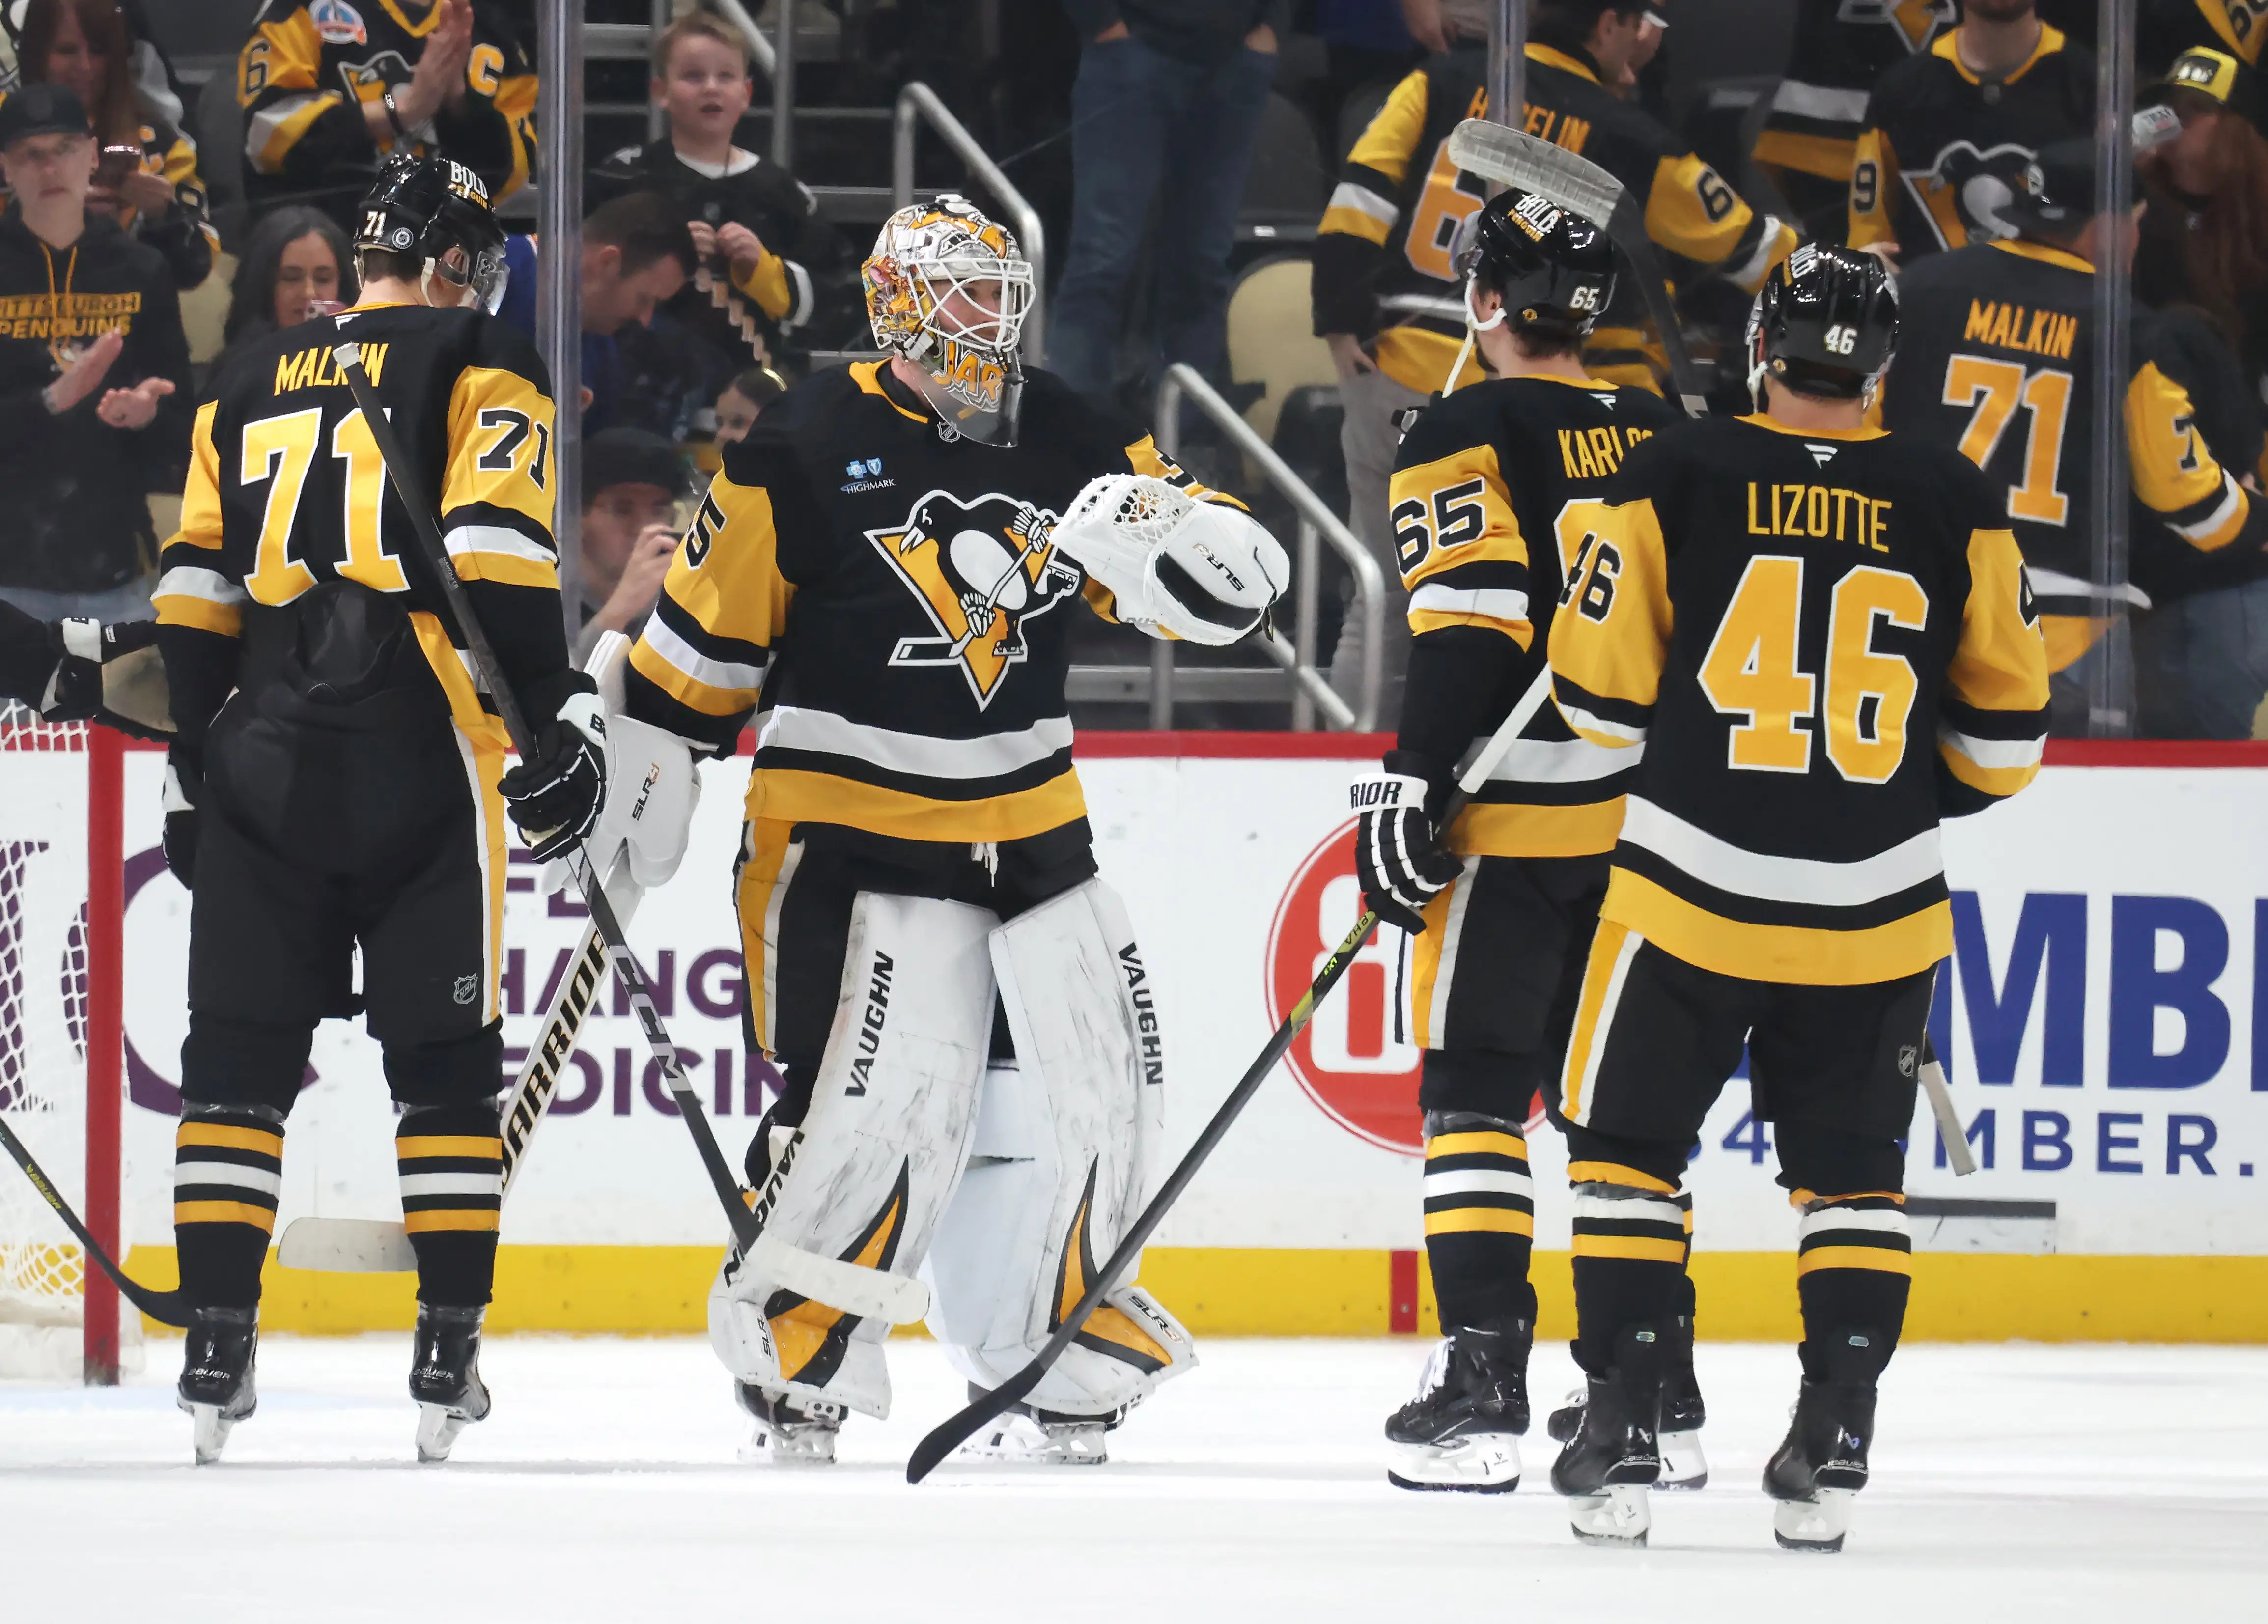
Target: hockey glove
column 649, row 809
column 111, row 674
column 1398, row 855
column 184, row 784
column 1202, row 571
column 556, row 798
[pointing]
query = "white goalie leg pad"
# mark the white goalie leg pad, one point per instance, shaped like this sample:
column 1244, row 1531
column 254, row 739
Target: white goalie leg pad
column 872, row 1169
column 1060, row 1167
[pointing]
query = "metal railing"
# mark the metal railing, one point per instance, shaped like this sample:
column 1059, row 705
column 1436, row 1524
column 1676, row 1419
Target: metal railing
column 1318, row 525
column 918, row 103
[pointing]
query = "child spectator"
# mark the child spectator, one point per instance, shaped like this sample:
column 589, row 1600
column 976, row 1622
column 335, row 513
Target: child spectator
column 768, row 259
column 631, row 481
column 743, row 400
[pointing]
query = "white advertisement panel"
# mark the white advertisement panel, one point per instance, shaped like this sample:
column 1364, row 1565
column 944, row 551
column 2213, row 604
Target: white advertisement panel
column 2098, row 1019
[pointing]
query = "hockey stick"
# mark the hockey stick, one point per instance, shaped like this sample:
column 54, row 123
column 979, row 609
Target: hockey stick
column 166, row 1307
column 965, row 1425
column 1514, row 158
column 868, row 1293
column 1949, row 1133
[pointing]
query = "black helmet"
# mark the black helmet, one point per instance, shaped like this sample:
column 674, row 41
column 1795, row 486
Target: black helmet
column 421, row 208
column 1554, row 270
column 1825, row 323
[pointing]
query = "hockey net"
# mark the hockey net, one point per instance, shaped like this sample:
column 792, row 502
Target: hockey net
column 50, row 790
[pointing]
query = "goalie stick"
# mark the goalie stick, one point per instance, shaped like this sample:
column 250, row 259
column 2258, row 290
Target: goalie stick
column 943, row 1440
column 166, row 1307
column 869, row 1293
column 1514, row 158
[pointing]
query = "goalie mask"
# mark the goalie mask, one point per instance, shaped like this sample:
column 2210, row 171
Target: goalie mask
column 436, row 210
column 1823, row 324
column 949, row 290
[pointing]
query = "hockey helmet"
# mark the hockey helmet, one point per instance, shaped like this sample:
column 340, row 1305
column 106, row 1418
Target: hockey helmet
column 1554, row 269
column 948, row 289
column 1824, row 324
column 426, row 208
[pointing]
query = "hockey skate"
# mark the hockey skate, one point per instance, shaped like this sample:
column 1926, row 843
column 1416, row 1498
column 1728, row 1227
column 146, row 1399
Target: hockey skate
column 794, row 1432
column 444, row 1377
column 1684, row 1465
column 1462, row 1433
column 1822, row 1461
column 1026, row 1437
column 215, row 1388
column 1615, row 1456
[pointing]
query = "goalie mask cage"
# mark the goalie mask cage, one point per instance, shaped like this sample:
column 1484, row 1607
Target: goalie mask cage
column 62, row 1040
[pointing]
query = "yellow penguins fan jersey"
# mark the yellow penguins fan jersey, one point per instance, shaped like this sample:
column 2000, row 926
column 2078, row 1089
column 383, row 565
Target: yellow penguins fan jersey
column 1823, row 641
column 1841, row 48
column 286, row 490
column 1942, row 149
column 310, row 65
column 1996, row 357
column 2168, row 27
column 896, row 602
column 1490, row 494
column 1382, row 250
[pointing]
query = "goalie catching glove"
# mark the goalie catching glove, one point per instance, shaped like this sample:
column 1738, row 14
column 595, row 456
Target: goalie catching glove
column 1198, row 570
column 1398, row 855
column 556, row 797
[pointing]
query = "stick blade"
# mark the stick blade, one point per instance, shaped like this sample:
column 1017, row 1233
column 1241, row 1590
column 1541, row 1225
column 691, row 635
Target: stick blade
column 348, row 1247
column 929, row 1453
column 1514, row 158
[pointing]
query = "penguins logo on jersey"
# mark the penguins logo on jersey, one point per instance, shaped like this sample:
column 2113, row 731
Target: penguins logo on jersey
column 1916, row 21
column 1964, row 191
column 980, row 569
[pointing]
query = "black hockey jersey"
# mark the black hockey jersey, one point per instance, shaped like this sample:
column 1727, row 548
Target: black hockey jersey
column 1491, row 491
column 1382, row 250
column 897, row 603
column 1942, row 149
column 1824, row 641
column 286, row 490
column 1996, row 356
column 1841, row 48
column 749, row 318
column 309, row 66
column 2166, row 28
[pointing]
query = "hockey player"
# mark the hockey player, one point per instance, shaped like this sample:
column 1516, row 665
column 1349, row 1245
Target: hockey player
column 347, row 792
column 1492, row 487
column 1386, row 297
column 1948, row 132
column 2000, row 326
column 1823, row 636
column 889, row 563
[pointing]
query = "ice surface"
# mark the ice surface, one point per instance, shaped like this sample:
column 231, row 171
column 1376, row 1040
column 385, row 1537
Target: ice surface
column 2069, row 1483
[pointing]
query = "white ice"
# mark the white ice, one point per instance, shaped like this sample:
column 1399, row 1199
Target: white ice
column 2116, row 1483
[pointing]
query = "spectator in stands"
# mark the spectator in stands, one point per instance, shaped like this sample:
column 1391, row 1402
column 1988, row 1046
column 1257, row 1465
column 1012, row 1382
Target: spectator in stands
column 93, row 373
column 295, row 261
column 2166, row 28
column 1164, row 110
column 631, row 482
column 148, row 172
column 637, row 253
column 2205, row 236
column 768, row 260
column 1949, row 132
column 743, row 400
column 329, row 90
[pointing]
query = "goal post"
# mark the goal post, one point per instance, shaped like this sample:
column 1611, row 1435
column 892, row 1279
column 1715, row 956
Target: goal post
column 62, row 1084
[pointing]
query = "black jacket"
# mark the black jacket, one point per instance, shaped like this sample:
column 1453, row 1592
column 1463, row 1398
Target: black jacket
column 74, row 519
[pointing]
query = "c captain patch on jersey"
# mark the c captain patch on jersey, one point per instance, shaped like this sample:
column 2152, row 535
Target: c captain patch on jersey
column 980, row 569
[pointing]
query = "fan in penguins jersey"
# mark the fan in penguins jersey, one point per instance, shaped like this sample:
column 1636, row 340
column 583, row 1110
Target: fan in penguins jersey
column 1489, row 492
column 337, row 781
column 889, row 563
column 1823, row 636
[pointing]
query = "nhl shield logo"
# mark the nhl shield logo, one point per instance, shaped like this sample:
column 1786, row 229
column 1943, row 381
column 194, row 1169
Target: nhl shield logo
column 1909, row 1060
column 468, row 988
column 981, row 569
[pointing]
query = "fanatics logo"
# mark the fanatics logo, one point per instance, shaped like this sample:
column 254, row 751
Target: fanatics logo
column 468, row 988
column 1821, row 454
column 337, row 23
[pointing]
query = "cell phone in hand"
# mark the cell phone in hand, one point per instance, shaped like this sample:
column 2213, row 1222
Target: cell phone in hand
column 115, row 164
column 317, row 309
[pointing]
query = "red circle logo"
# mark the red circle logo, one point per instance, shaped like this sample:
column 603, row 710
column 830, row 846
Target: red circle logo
column 1349, row 1059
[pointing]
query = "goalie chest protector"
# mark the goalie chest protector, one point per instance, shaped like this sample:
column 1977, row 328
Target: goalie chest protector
column 907, row 589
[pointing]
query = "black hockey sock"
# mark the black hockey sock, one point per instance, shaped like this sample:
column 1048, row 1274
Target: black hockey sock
column 450, row 1160
column 1480, row 1221
column 228, row 1170
column 1854, row 1266
column 1629, row 1245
